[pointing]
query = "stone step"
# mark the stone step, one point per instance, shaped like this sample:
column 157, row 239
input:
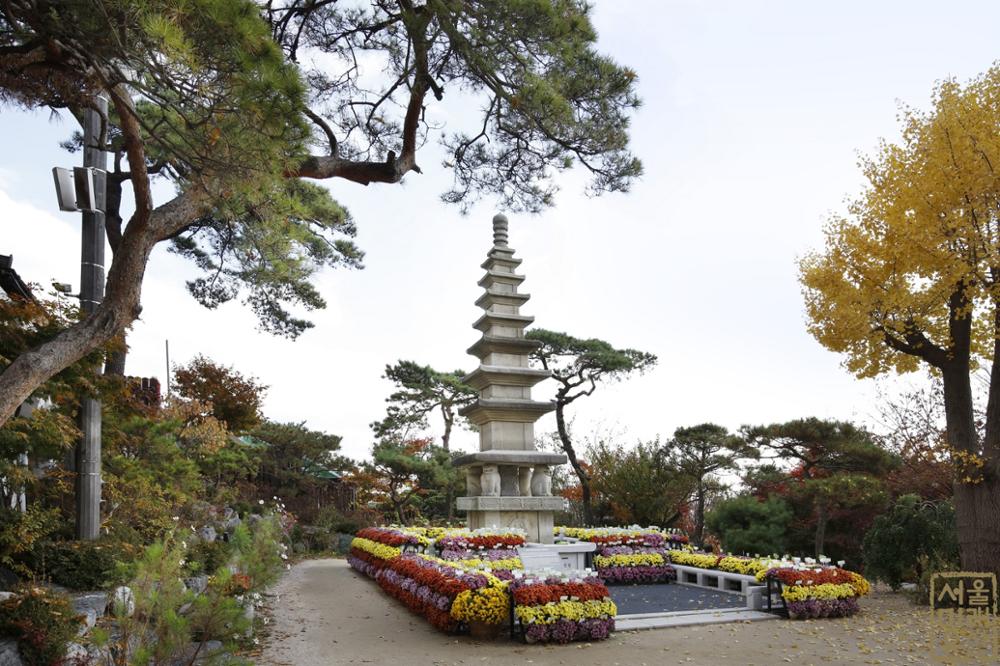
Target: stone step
column 688, row 618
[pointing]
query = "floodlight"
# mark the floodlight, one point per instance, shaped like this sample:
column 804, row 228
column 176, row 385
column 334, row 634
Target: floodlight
column 65, row 189
column 83, row 178
column 76, row 191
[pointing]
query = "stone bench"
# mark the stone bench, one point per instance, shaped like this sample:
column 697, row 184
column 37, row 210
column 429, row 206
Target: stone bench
column 723, row 581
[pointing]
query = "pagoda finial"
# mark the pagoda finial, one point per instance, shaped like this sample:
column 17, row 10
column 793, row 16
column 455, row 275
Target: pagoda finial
column 500, row 230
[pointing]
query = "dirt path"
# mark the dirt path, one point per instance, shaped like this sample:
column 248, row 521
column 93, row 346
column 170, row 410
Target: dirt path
column 324, row 613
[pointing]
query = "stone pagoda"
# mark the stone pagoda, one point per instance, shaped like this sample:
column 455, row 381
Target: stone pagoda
column 509, row 482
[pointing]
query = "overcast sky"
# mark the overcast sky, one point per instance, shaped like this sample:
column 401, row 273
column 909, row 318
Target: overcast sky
column 753, row 116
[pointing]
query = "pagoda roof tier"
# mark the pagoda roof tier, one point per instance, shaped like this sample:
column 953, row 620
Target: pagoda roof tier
column 492, row 277
column 493, row 344
column 496, row 257
column 488, row 375
column 508, row 457
column 494, row 297
column 507, row 410
column 501, row 319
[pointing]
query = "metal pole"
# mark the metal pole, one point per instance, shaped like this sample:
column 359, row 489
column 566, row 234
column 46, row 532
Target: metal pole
column 88, row 452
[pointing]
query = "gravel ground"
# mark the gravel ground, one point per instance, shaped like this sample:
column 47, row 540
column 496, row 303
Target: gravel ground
column 323, row 613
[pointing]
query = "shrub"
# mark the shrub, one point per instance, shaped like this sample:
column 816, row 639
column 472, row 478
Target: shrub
column 42, row 622
column 168, row 618
column 330, row 518
column 902, row 541
column 83, row 565
column 208, row 556
column 19, row 532
column 747, row 525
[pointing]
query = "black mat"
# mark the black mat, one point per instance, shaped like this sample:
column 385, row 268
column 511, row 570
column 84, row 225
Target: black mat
column 670, row 597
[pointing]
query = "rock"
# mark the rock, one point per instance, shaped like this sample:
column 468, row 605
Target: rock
column 76, row 654
column 121, row 602
column 9, row 655
column 4, row 596
column 196, row 584
column 230, row 524
column 249, row 612
column 205, row 652
column 90, row 606
column 99, row 655
column 207, row 533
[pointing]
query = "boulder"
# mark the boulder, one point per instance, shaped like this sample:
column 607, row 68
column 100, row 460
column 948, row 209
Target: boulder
column 207, row 533
column 76, row 654
column 196, row 584
column 90, row 606
column 122, row 599
column 205, row 653
column 9, row 655
column 230, row 524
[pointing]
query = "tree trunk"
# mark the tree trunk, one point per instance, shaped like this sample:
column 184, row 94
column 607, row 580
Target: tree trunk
column 977, row 512
column 119, row 308
column 114, row 364
column 822, row 516
column 449, row 418
column 699, row 514
column 977, row 506
column 581, row 473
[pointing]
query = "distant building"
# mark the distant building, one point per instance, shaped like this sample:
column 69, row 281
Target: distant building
column 334, row 488
column 11, row 282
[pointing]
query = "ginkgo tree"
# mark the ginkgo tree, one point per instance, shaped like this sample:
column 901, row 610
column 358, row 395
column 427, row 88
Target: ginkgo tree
column 910, row 275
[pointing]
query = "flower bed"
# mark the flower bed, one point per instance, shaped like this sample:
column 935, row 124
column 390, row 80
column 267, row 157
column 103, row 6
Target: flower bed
column 748, row 566
column 408, row 538
column 627, row 555
column 471, row 586
column 560, row 608
column 494, row 551
column 444, row 593
column 810, row 589
column 814, row 591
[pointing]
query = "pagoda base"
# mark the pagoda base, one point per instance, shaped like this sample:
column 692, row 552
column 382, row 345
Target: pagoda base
column 534, row 515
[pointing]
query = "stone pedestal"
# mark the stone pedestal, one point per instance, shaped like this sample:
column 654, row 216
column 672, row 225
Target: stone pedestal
column 509, row 482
